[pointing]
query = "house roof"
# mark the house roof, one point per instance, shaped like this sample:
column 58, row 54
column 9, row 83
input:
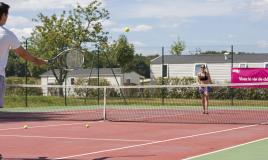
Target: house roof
column 86, row 72
column 185, row 59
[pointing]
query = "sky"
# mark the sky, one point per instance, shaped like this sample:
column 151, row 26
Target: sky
column 200, row 24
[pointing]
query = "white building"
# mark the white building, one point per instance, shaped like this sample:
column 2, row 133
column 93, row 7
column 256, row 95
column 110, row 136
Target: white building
column 131, row 78
column 219, row 68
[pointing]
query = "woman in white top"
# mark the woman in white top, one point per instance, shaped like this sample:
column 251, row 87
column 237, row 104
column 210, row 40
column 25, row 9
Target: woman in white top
column 203, row 77
column 8, row 40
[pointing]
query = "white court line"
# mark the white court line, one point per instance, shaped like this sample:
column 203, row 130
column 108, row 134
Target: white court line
column 156, row 142
column 44, row 126
column 224, row 149
column 74, row 138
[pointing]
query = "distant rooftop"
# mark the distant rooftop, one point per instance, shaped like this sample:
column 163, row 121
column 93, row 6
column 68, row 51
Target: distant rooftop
column 218, row 58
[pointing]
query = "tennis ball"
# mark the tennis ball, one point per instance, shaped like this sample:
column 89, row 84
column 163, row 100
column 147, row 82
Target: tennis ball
column 25, row 126
column 87, row 125
column 126, row 29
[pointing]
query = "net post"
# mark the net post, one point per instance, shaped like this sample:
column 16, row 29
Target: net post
column 104, row 103
column 26, row 76
column 98, row 73
column 163, row 63
column 232, row 65
column 65, row 92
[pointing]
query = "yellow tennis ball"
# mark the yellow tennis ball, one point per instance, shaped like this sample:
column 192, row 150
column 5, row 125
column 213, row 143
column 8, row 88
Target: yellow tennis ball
column 25, row 126
column 87, row 125
column 126, row 29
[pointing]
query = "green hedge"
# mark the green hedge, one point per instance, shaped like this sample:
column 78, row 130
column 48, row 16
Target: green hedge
column 180, row 92
column 81, row 92
column 22, row 80
column 219, row 92
column 20, row 91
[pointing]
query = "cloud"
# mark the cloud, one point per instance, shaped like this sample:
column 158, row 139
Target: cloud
column 174, row 22
column 174, row 36
column 137, row 28
column 141, row 28
column 262, row 44
column 138, row 44
column 108, row 24
column 186, row 9
column 45, row 4
column 254, row 10
column 170, row 25
column 22, row 25
column 259, row 9
column 171, row 13
column 231, row 36
column 20, row 33
column 259, row 5
column 176, row 9
column 15, row 21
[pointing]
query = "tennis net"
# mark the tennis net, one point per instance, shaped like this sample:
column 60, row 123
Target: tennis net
column 230, row 103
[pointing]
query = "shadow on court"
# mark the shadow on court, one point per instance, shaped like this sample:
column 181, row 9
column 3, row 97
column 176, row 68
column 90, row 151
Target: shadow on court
column 38, row 158
column 128, row 156
column 6, row 116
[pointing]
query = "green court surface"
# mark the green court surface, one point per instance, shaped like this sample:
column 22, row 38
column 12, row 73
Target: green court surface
column 255, row 150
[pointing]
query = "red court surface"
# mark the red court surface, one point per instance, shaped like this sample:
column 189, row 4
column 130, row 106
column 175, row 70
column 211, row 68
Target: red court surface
column 49, row 140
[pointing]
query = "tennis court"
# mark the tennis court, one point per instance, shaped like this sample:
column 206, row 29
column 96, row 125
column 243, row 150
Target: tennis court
column 123, row 140
column 133, row 126
column 251, row 150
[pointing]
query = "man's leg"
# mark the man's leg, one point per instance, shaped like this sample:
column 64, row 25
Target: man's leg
column 2, row 91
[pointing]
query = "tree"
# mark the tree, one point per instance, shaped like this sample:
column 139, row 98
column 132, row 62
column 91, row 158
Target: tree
column 15, row 65
column 122, row 53
column 177, row 47
column 142, row 65
column 213, row 52
column 55, row 34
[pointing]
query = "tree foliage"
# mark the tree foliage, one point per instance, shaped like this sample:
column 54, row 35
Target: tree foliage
column 72, row 29
column 15, row 66
column 122, row 53
column 177, row 47
column 79, row 27
column 141, row 65
column 213, row 52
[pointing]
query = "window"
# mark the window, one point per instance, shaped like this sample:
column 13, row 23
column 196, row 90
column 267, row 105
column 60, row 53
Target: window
column 197, row 68
column 72, row 81
column 243, row 65
column 165, row 71
column 265, row 64
column 128, row 81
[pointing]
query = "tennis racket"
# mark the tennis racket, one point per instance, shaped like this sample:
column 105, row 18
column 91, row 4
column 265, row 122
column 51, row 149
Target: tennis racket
column 69, row 59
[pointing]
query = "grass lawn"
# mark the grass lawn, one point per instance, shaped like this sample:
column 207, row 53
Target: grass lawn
column 53, row 102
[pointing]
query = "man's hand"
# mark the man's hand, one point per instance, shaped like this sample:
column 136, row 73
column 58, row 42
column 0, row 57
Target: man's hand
column 38, row 61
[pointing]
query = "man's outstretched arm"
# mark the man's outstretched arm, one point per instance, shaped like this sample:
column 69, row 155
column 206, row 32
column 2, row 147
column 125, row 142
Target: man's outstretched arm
column 25, row 55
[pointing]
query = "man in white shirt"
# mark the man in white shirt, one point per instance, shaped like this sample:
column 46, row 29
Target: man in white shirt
column 8, row 40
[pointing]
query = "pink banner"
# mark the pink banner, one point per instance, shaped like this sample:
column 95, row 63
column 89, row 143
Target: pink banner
column 250, row 75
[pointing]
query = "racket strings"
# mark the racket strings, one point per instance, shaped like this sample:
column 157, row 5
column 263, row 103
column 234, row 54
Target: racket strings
column 69, row 59
column 74, row 59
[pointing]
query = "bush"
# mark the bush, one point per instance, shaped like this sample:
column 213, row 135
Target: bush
column 176, row 92
column 22, row 80
column 19, row 91
column 219, row 92
column 86, row 92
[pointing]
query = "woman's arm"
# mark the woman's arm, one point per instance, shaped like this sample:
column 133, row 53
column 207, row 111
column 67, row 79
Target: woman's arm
column 197, row 79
